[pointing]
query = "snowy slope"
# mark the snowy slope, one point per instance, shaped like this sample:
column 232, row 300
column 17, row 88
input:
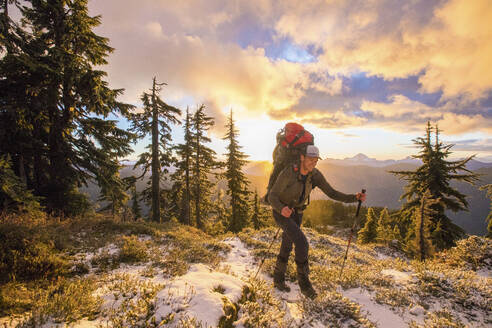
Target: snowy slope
column 392, row 293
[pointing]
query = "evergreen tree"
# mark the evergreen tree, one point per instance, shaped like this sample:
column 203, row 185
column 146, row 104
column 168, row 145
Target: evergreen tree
column 421, row 245
column 488, row 187
column 256, row 217
column 181, row 189
column 204, row 164
column 217, row 223
column 7, row 38
column 384, row 230
column 57, row 104
column 136, row 209
column 396, row 234
column 369, row 232
column 14, row 195
column 435, row 174
column 237, row 182
column 113, row 191
column 155, row 120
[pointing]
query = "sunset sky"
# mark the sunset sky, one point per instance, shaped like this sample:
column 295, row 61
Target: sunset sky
column 363, row 76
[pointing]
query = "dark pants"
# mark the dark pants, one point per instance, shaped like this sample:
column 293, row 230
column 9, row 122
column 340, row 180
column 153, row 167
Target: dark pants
column 292, row 234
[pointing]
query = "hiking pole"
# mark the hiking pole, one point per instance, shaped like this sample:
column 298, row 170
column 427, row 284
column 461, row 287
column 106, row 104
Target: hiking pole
column 264, row 257
column 351, row 233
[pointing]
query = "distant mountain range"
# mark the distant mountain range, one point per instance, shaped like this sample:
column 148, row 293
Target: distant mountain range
column 384, row 188
column 350, row 175
column 361, row 159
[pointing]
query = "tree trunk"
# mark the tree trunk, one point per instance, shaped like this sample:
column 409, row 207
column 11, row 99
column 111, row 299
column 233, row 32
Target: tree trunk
column 187, row 191
column 197, row 179
column 22, row 171
column 156, row 210
column 421, row 230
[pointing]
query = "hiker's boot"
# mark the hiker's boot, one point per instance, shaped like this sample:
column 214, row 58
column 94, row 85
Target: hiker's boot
column 279, row 274
column 303, row 280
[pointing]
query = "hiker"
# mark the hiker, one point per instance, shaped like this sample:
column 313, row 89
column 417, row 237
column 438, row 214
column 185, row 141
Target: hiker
column 288, row 198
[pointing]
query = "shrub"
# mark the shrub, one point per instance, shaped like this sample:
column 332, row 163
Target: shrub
column 132, row 250
column 64, row 301
column 24, row 255
column 258, row 307
column 473, row 252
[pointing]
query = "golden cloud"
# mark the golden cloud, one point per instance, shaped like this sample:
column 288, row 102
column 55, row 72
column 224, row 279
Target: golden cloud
column 398, row 107
column 455, row 124
column 403, row 114
column 193, row 46
column 453, row 47
column 338, row 119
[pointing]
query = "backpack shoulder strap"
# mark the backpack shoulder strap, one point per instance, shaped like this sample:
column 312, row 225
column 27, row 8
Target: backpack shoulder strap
column 297, row 137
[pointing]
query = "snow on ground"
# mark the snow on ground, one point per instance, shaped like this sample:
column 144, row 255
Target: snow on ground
column 199, row 294
column 110, row 249
column 239, row 260
column 398, row 276
column 377, row 313
column 484, row 273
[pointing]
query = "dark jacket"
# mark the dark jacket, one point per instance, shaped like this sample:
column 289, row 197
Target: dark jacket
column 288, row 188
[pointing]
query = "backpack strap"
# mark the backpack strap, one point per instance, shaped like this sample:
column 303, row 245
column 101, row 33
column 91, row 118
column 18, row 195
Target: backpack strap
column 295, row 167
column 297, row 137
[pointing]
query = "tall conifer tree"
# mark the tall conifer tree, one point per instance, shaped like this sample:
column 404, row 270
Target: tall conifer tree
column 435, row 174
column 155, row 120
column 237, row 182
column 204, row 164
column 61, row 115
column 181, row 188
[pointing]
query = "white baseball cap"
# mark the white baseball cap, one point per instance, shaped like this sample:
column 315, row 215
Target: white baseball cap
column 312, row 151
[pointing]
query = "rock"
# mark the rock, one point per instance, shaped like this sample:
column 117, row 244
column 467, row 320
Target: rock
column 417, row 310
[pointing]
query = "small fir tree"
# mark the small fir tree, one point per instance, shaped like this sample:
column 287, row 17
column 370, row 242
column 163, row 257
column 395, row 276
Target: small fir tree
column 488, row 187
column 396, row 234
column 14, row 195
column 384, row 230
column 113, row 191
column 369, row 232
column 255, row 218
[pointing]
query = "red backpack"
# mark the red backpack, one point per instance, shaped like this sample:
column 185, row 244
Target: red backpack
column 294, row 135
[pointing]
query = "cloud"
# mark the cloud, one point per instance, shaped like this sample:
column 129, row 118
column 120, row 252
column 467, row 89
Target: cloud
column 402, row 114
column 223, row 75
column 446, row 43
column 346, row 135
column 398, row 107
column 154, row 29
column 379, row 63
column 478, row 145
column 456, row 124
column 336, row 120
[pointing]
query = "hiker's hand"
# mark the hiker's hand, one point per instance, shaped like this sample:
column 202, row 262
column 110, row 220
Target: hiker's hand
column 361, row 196
column 286, row 211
